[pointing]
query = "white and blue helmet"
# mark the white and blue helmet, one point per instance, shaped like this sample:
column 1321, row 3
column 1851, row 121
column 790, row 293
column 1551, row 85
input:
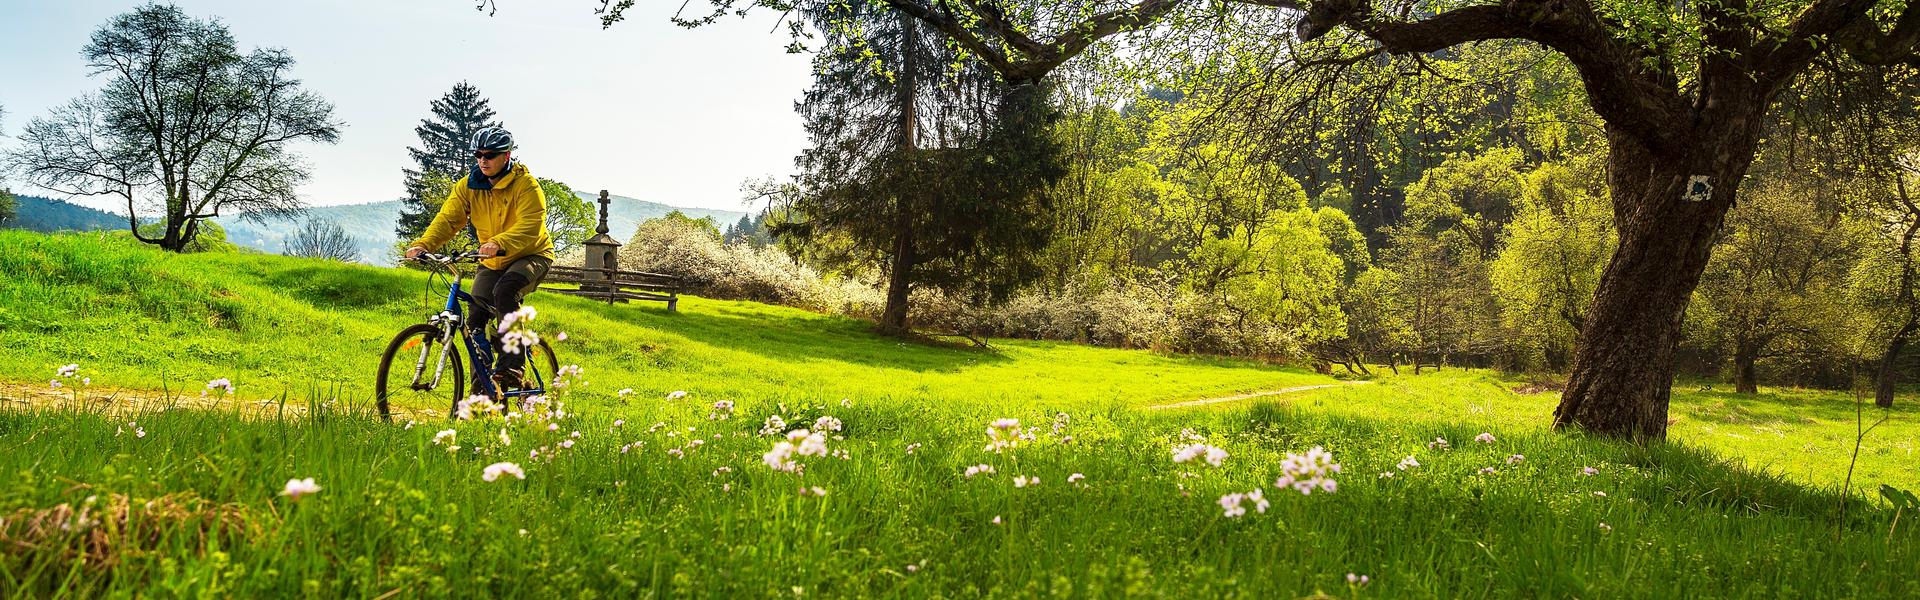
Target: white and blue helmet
column 491, row 139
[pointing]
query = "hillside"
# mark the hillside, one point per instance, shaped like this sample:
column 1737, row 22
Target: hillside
column 143, row 318
column 47, row 215
column 371, row 225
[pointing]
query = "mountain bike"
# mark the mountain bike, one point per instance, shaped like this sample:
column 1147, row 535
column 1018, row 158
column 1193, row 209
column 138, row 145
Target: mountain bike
column 430, row 364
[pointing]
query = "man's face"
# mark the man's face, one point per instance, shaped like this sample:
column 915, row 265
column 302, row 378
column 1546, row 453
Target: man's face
column 492, row 163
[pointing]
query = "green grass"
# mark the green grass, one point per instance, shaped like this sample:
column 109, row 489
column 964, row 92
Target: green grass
column 399, row 513
column 277, row 325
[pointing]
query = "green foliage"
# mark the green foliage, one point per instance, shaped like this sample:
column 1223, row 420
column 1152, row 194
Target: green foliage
column 1378, row 327
column 1550, row 266
column 570, row 219
column 1472, row 197
column 938, row 177
column 1284, row 273
column 677, row 219
column 751, row 229
column 1776, row 286
column 9, row 207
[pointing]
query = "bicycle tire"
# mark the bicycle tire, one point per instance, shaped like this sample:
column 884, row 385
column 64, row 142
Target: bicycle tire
column 552, row 364
column 541, row 365
column 423, row 334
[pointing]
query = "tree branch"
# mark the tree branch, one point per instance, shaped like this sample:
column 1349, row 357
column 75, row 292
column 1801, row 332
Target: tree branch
column 1861, row 38
column 1628, row 97
column 1040, row 57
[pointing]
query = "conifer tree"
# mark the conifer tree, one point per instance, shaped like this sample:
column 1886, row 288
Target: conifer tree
column 443, row 149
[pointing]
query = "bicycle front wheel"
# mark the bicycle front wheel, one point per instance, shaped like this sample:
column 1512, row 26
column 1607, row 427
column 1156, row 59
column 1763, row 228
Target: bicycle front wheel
column 421, row 367
column 542, row 366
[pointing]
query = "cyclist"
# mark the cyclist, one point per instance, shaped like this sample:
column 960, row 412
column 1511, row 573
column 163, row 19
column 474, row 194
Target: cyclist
column 508, row 212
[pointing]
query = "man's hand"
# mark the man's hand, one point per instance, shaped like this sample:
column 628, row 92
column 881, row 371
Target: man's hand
column 415, row 252
column 490, row 249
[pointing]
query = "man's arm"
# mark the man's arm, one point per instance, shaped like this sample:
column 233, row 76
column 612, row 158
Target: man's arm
column 452, row 216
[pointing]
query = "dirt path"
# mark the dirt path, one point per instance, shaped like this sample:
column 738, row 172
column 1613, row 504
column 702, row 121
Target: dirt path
column 117, row 401
column 1191, row 403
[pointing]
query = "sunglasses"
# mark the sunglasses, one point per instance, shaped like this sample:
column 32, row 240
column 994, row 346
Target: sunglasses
column 487, row 155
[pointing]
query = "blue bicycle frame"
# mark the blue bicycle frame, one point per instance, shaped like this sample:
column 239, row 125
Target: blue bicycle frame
column 479, row 354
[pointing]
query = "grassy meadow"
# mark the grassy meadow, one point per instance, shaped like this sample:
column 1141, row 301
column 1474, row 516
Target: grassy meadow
column 667, row 494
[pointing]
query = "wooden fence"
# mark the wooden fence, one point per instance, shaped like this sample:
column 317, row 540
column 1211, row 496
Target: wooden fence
column 613, row 285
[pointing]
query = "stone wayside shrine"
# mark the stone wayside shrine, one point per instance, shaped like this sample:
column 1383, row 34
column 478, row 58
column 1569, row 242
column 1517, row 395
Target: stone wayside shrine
column 601, row 277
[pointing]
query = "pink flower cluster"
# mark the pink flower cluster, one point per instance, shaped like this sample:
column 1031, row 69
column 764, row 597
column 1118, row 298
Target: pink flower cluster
column 1003, row 434
column 516, row 331
column 496, row 470
column 1307, row 472
column 1234, row 504
column 799, row 442
column 1214, row 456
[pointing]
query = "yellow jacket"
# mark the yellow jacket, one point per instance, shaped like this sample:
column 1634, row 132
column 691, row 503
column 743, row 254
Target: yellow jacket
column 513, row 215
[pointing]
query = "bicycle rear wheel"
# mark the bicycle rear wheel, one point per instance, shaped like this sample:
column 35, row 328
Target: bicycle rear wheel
column 418, row 380
column 541, row 365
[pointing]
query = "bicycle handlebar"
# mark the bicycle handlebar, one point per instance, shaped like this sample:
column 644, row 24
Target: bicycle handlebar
column 451, row 258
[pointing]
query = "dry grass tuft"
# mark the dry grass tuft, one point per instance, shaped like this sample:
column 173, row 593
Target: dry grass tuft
column 104, row 531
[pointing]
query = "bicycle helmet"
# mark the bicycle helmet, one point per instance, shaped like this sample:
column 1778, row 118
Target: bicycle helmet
column 491, row 139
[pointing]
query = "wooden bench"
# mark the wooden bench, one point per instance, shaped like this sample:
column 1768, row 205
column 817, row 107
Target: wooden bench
column 613, row 285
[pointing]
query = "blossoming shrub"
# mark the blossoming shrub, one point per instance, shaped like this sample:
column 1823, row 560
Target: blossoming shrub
column 692, row 250
column 1150, row 311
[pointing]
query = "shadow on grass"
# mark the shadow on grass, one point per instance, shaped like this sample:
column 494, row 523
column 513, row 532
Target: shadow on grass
column 1777, row 408
column 790, row 339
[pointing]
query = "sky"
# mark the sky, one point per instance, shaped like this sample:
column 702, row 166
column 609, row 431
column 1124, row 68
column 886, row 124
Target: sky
column 645, row 109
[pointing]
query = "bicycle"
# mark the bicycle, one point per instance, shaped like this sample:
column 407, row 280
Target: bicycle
column 428, row 345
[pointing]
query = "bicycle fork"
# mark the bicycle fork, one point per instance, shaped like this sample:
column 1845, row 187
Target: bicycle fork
column 440, row 361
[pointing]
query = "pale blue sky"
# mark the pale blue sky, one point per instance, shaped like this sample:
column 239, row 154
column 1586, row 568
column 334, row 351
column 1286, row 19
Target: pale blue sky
column 645, row 109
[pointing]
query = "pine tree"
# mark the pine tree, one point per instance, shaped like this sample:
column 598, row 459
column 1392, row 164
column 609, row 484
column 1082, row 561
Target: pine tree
column 931, row 172
column 444, row 138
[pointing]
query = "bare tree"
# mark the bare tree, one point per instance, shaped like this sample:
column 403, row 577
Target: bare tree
column 320, row 238
column 186, row 126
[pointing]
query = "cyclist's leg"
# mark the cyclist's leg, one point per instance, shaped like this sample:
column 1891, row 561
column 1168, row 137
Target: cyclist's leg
column 520, row 279
column 480, row 312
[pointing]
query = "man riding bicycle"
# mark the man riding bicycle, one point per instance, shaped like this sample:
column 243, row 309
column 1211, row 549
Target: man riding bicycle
column 508, row 212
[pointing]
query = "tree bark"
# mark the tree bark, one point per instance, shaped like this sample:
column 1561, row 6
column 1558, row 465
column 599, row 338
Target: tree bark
column 899, row 286
column 893, row 320
column 1622, row 372
column 1888, row 373
column 1744, row 381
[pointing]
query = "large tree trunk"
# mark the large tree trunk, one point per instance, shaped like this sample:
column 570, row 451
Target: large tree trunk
column 1888, row 372
column 899, row 281
column 1623, row 368
column 899, row 286
column 1744, row 381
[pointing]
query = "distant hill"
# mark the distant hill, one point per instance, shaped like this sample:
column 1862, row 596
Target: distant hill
column 626, row 214
column 47, row 215
column 371, row 225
